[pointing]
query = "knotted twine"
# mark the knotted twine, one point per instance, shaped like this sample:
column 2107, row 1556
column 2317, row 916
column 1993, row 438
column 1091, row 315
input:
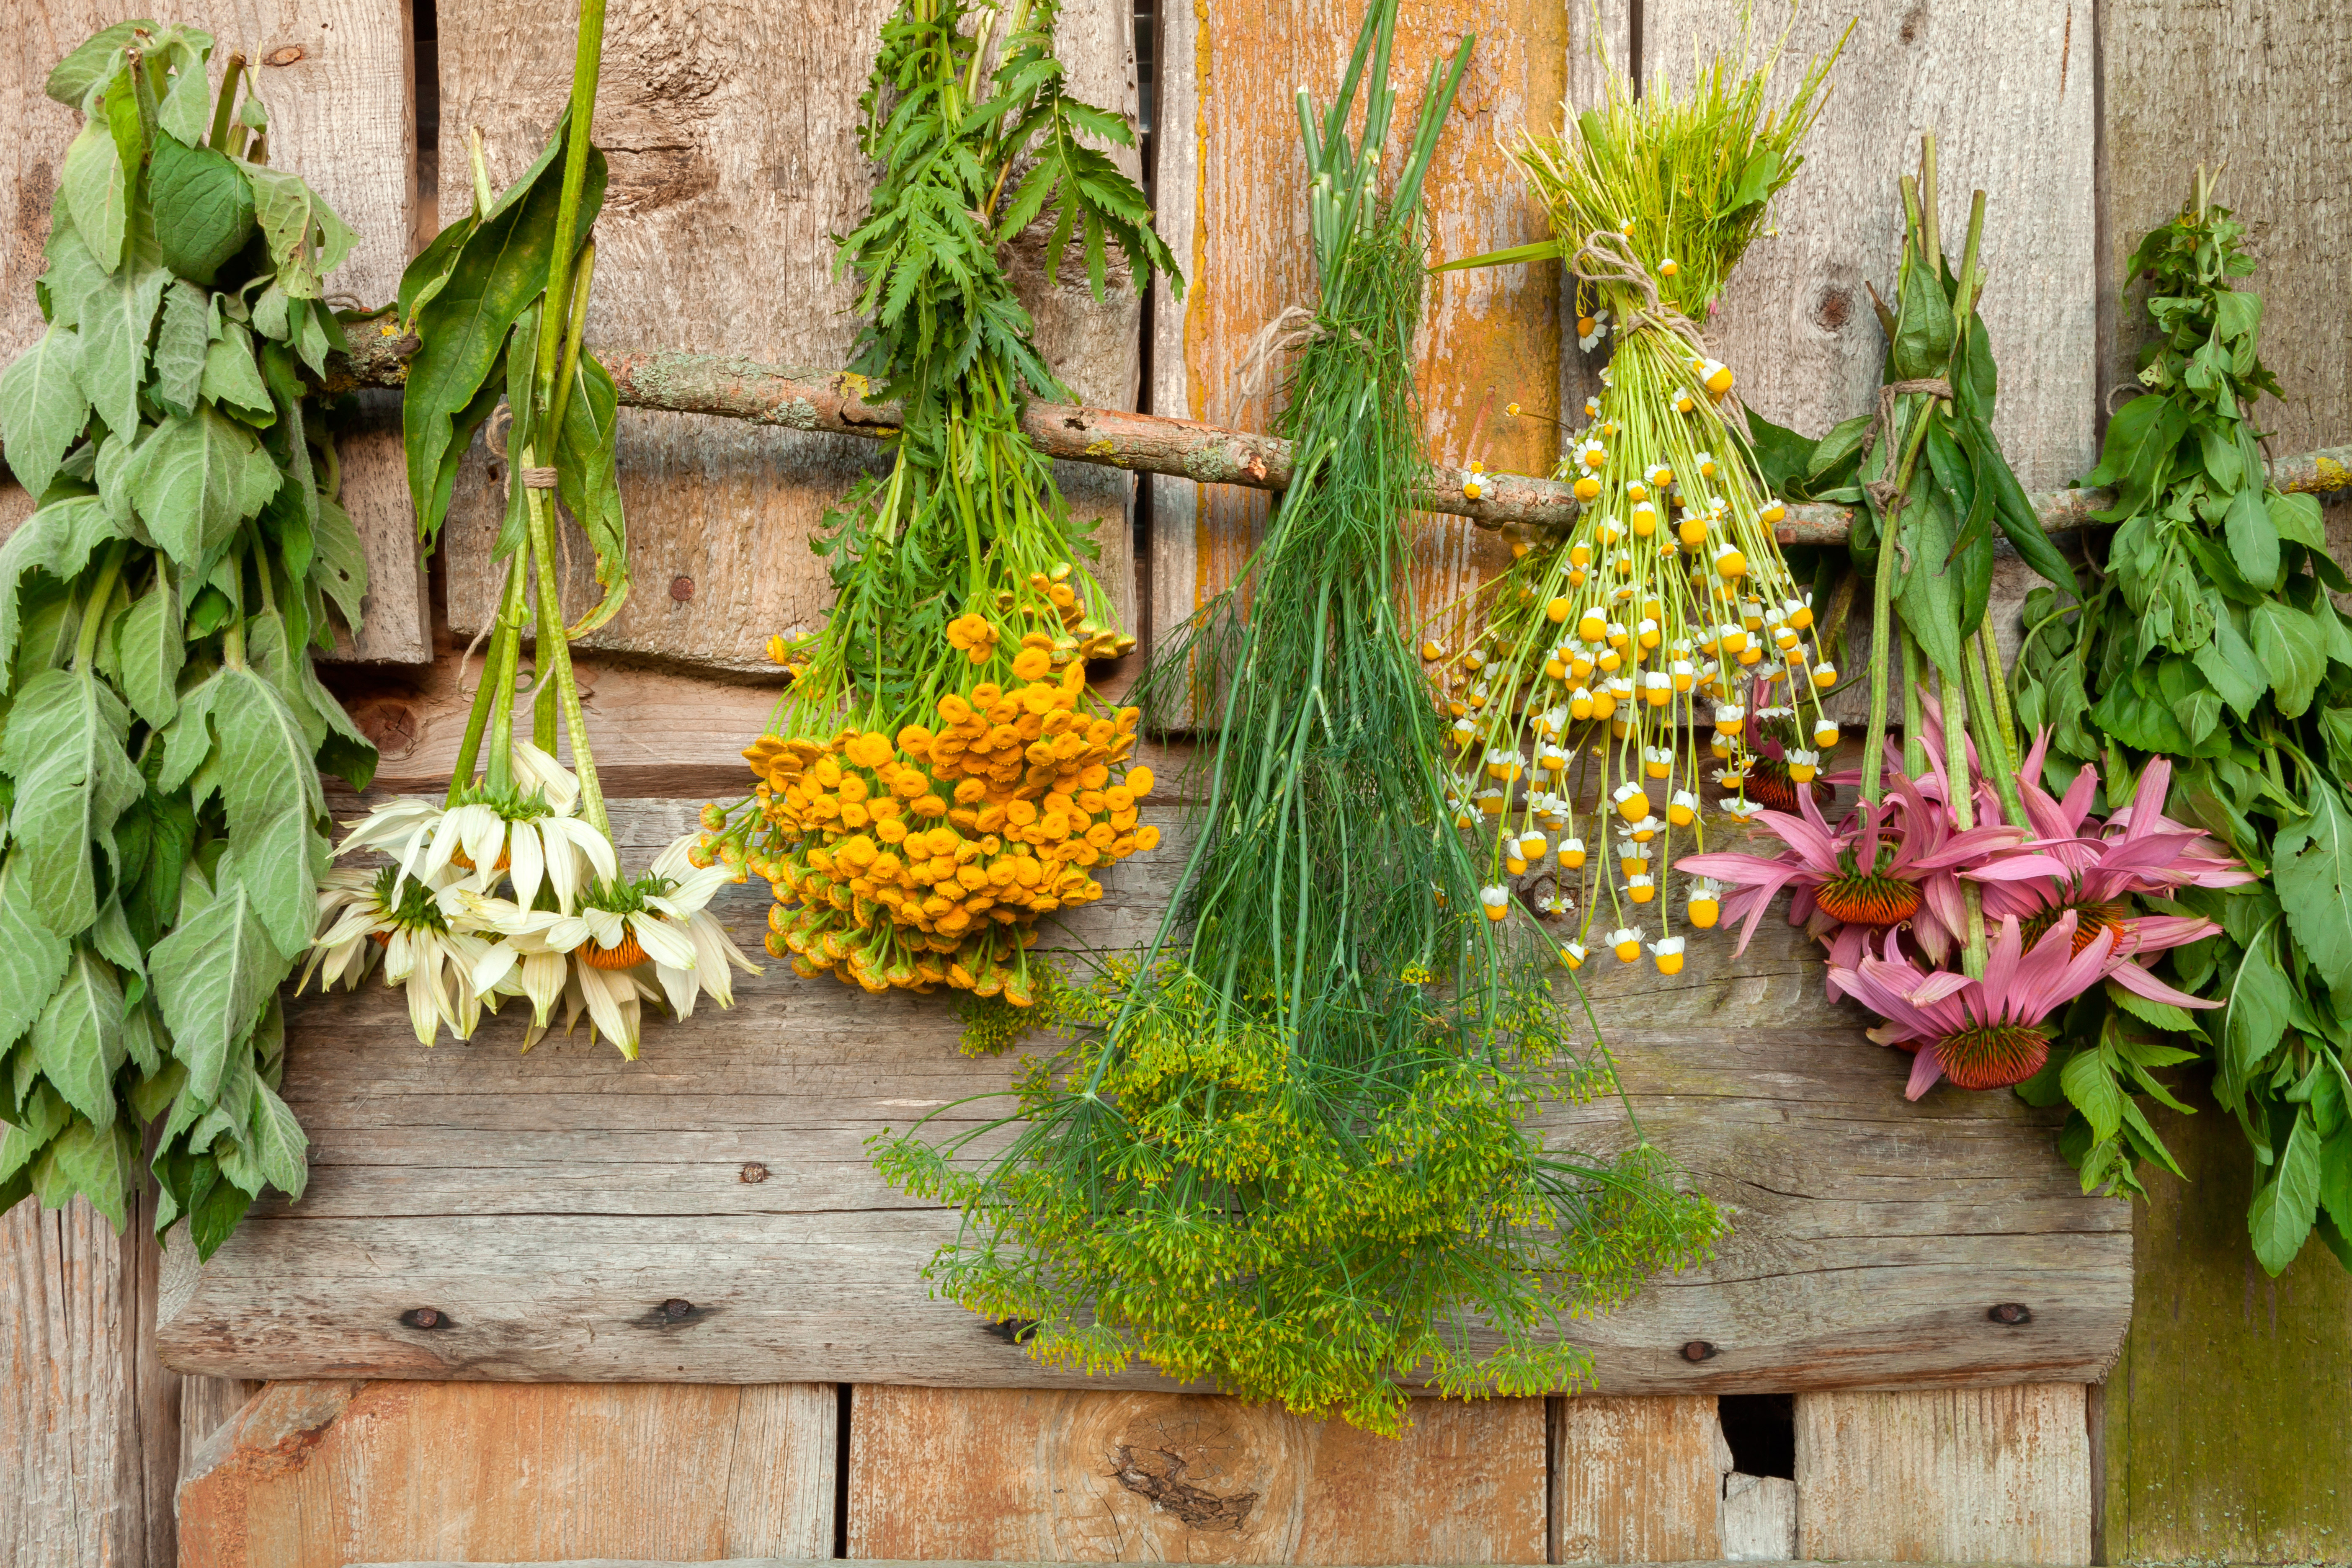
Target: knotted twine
column 1881, row 491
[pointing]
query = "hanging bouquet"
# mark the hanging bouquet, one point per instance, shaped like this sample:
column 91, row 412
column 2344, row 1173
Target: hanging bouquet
column 2208, row 643
column 941, row 775
column 511, row 886
column 1666, row 617
column 1286, row 1150
column 159, row 610
column 1959, row 901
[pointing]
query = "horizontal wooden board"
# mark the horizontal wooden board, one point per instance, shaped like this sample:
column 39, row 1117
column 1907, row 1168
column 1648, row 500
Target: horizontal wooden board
column 548, row 1206
column 1089, row 1477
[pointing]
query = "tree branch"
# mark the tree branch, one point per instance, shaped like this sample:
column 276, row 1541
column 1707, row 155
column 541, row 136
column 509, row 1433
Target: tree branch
column 833, row 402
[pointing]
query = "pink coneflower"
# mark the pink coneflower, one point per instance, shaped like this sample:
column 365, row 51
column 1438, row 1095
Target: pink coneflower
column 1989, row 1033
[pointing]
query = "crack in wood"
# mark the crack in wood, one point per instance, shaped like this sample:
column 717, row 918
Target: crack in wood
column 1158, row 1474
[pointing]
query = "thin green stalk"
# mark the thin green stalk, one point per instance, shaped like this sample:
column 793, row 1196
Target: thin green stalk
column 1881, row 617
column 499, row 683
column 575, row 324
column 1992, row 747
column 93, row 614
column 1914, row 727
column 1952, row 696
column 584, row 64
column 1997, row 677
column 555, row 656
column 225, row 107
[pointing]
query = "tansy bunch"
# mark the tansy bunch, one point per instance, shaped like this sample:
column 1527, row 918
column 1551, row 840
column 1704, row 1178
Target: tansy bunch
column 1626, row 661
column 926, row 860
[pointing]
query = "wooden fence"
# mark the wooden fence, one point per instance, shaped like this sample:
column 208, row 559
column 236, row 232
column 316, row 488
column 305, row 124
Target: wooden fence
column 672, row 1315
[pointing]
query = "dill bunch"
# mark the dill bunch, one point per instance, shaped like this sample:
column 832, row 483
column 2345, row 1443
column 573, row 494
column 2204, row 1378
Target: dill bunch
column 1665, row 619
column 1293, row 1159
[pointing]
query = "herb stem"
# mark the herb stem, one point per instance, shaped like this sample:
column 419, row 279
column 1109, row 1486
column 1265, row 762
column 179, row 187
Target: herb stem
column 1882, row 615
column 555, row 655
column 93, row 613
column 584, row 66
column 225, row 108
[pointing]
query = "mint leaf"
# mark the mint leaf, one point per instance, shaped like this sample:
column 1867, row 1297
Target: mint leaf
column 212, row 976
column 2282, row 1214
column 197, row 478
column 180, row 347
column 78, row 1038
column 63, row 746
column 42, row 408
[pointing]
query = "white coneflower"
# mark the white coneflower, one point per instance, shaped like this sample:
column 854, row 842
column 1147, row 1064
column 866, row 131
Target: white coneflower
column 1464, row 732
column 1657, row 688
column 1646, row 828
column 1641, row 888
column 1592, row 454
column 428, row 949
column 1551, row 758
column 1729, row 561
column 1682, row 674
column 1668, row 951
column 1579, row 703
column 1826, row 674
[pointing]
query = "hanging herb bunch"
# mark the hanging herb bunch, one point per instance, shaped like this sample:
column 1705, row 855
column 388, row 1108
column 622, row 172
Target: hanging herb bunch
column 1667, row 615
column 939, row 775
column 511, row 887
column 164, row 728
column 2208, row 646
column 1959, row 901
column 1289, row 1155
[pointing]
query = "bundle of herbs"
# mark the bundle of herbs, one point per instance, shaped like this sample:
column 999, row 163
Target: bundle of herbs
column 1291, row 1154
column 510, row 887
column 2208, row 643
column 1609, row 656
column 1959, row 901
column 939, row 774
column 158, row 614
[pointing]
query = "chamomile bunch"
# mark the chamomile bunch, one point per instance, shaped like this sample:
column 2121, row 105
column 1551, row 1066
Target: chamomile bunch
column 1666, row 611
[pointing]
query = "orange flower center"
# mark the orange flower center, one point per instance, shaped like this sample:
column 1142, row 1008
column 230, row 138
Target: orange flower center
column 1855, row 899
column 2089, row 919
column 1993, row 1055
column 628, row 955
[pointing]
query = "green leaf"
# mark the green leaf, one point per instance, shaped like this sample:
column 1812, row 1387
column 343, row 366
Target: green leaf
column 152, row 1095
column 151, row 650
column 1935, row 584
column 232, row 378
column 180, row 347
column 2253, row 539
column 502, row 270
column 44, row 1117
column 203, row 207
column 186, row 111
column 213, row 1217
column 270, row 786
column 93, row 1162
column 96, row 60
column 2297, row 517
column 2092, row 1089
column 429, row 273
column 2229, row 665
column 116, row 318
column 196, row 479
column 188, row 739
column 95, row 192
column 63, row 746
column 42, row 408
column 282, row 208
column 1516, row 255
column 2312, row 868
column 2290, row 646
column 339, row 562
column 33, row 958
column 78, row 1038
column 2162, row 1014
column 278, row 1144
column 2281, row 1215
column 1924, row 328
column 212, row 976
column 2336, row 1176
column 2256, row 1017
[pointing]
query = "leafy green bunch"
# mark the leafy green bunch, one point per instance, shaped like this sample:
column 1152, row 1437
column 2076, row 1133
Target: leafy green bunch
column 164, row 726
column 968, row 521
column 2208, row 636
column 1294, row 1160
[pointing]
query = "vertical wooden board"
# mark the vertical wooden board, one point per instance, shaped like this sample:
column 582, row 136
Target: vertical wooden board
column 2226, row 1422
column 316, row 1475
column 1759, row 1519
column 731, row 130
column 89, row 1434
column 2265, row 87
column 2007, row 87
column 1984, row 1475
column 1233, row 202
column 1089, row 1477
column 338, row 78
column 1636, row 1480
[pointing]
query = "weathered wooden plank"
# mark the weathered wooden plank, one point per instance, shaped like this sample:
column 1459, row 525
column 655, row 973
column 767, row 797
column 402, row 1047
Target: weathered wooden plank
column 1760, row 1518
column 1004, row 1475
column 314, row 1475
column 336, row 75
column 89, row 1432
column 1636, row 1480
column 1232, row 200
column 2006, row 85
column 716, row 236
column 549, row 1205
column 1987, row 1474
column 2226, row 1427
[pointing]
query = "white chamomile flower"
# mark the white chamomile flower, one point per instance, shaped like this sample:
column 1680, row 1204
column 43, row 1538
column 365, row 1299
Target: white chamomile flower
column 1625, row 942
column 1741, row 811
column 1668, row 951
column 1496, row 901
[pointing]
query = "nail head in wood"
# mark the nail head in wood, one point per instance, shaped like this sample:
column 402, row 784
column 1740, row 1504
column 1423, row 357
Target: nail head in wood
column 423, row 1318
column 752, row 1173
column 2016, row 1314
column 677, row 1308
column 681, row 589
column 1698, row 1351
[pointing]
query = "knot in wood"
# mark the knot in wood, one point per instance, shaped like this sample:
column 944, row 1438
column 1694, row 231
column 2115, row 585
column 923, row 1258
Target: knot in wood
column 2016, row 1314
column 423, row 1318
column 1698, row 1351
column 677, row 1308
column 1159, row 1474
column 286, row 56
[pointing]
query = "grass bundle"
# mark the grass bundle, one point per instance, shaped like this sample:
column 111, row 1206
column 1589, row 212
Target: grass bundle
column 1291, row 1154
column 1666, row 618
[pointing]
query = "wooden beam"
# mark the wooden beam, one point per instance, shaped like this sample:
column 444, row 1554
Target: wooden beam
column 548, row 1205
column 832, row 402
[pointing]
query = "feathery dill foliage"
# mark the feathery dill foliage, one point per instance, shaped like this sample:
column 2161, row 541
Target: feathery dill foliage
column 968, row 521
column 1289, row 1155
